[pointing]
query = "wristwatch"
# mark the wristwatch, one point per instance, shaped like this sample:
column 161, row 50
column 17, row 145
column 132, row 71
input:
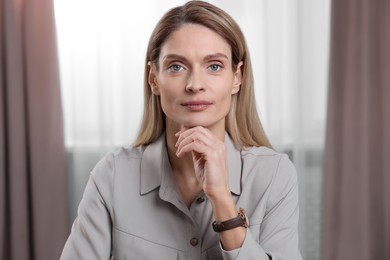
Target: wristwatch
column 239, row 221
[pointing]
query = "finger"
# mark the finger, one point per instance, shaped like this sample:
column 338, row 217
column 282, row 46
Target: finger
column 192, row 134
column 204, row 145
column 191, row 146
column 181, row 131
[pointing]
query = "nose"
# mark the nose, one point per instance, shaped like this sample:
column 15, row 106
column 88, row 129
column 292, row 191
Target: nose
column 195, row 82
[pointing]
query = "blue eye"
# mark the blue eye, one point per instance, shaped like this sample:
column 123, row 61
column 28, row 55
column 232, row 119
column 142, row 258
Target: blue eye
column 215, row 67
column 175, row 68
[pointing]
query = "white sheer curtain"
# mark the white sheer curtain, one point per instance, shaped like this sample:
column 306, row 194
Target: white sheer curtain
column 102, row 45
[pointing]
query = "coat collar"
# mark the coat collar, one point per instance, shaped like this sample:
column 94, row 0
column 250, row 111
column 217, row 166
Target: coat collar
column 155, row 167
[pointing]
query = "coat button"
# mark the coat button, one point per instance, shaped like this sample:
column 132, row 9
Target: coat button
column 200, row 200
column 194, row 241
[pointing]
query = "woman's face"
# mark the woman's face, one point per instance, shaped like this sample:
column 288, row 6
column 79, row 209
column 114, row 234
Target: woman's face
column 195, row 79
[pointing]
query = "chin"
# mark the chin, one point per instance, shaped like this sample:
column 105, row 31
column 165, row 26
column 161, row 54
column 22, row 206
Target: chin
column 194, row 124
column 190, row 121
column 202, row 123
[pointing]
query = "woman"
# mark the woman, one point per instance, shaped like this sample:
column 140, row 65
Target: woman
column 201, row 181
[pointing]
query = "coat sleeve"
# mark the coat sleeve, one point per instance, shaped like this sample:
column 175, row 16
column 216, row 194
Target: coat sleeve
column 279, row 229
column 90, row 236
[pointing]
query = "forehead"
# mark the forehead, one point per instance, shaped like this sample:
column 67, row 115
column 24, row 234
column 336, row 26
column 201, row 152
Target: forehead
column 193, row 40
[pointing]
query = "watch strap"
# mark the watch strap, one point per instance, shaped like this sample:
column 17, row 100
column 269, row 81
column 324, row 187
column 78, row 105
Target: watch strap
column 239, row 221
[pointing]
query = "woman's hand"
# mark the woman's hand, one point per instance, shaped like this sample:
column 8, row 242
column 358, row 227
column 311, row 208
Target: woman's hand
column 209, row 158
column 210, row 163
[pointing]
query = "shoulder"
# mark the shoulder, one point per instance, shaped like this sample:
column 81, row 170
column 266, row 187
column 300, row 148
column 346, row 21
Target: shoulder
column 113, row 163
column 267, row 158
column 266, row 167
column 268, row 177
column 119, row 155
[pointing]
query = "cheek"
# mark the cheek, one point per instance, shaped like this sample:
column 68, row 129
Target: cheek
column 223, row 84
column 224, row 90
column 165, row 103
column 171, row 88
column 169, row 94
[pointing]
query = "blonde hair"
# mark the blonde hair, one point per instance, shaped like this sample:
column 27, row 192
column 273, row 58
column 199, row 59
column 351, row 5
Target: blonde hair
column 242, row 122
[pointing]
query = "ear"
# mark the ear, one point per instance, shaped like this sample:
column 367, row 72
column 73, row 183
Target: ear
column 152, row 79
column 237, row 79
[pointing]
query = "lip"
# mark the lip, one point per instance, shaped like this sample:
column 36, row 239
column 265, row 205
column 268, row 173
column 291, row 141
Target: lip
column 196, row 106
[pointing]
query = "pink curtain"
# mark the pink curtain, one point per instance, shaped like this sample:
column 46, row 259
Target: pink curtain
column 356, row 213
column 33, row 183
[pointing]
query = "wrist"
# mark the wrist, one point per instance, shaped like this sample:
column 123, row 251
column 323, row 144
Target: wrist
column 239, row 221
column 218, row 194
column 224, row 207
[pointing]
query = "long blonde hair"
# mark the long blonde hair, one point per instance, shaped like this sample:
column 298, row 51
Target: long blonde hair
column 242, row 122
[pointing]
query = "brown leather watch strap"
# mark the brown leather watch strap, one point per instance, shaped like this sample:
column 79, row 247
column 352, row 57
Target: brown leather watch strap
column 239, row 221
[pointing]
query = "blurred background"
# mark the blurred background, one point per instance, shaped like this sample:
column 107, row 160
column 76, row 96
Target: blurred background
column 72, row 90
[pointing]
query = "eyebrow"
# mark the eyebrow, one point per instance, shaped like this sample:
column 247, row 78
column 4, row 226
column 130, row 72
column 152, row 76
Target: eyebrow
column 216, row 56
column 207, row 57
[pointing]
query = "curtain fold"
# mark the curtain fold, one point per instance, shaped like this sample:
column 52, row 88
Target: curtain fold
column 356, row 220
column 33, row 182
